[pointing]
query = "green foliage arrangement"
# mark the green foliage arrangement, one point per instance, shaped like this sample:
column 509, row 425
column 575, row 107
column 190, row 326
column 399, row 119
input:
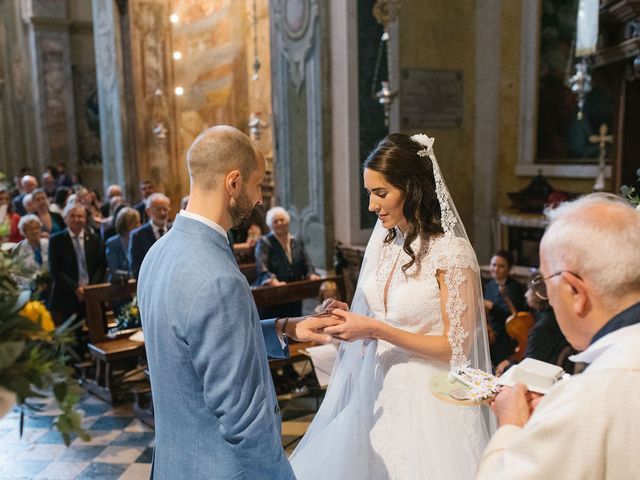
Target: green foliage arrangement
column 34, row 354
column 632, row 192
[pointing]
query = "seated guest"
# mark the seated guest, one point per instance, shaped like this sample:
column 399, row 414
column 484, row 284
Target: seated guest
column 328, row 290
column 147, row 187
column 282, row 258
column 63, row 179
column 60, row 200
column 587, row 426
column 112, row 191
column 76, row 259
column 28, row 184
column 118, row 245
column 51, row 222
column 502, row 296
column 248, row 234
column 108, row 227
column 546, row 341
column 88, row 199
column 9, row 231
column 48, row 184
column 33, row 251
column 27, row 203
column 142, row 238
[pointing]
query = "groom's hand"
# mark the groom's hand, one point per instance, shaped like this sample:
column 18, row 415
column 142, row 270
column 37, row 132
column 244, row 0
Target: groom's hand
column 310, row 329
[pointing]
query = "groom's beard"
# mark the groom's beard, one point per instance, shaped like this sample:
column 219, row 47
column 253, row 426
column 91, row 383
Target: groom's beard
column 240, row 210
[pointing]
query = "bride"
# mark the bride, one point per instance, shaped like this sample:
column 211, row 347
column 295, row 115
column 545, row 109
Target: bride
column 417, row 311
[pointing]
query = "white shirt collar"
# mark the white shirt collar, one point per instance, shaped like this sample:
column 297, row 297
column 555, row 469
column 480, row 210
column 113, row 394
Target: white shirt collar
column 596, row 349
column 208, row 222
column 80, row 235
column 156, row 229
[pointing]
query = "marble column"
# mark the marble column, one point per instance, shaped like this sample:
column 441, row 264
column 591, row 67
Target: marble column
column 114, row 133
column 52, row 83
column 301, row 133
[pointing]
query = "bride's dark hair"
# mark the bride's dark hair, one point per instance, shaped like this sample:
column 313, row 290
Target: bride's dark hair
column 396, row 159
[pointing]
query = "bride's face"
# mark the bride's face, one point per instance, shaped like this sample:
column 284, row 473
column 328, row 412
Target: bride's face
column 385, row 200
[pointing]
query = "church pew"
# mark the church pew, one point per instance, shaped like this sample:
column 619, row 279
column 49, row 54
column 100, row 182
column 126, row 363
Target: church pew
column 293, row 291
column 118, row 361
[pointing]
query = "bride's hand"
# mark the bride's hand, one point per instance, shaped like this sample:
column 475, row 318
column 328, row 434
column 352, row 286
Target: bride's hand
column 331, row 303
column 354, row 327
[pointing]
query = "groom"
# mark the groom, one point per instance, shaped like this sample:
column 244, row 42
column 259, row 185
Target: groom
column 216, row 412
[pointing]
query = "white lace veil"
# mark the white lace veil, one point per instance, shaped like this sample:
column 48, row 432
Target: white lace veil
column 341, row 421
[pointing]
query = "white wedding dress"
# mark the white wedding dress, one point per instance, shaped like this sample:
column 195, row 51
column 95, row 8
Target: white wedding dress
column 379, row 419
column 408, row 433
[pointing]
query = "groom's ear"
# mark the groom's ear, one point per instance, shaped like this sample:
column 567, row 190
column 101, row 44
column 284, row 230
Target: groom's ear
column 233, row 183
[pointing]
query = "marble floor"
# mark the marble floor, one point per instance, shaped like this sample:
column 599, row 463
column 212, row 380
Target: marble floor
column 120, row 448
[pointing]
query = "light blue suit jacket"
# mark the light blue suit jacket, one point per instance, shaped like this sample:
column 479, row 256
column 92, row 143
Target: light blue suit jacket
column 216, row 412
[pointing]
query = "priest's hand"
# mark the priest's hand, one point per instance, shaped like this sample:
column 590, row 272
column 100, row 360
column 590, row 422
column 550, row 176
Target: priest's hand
column 511, row 406
column 311, row 329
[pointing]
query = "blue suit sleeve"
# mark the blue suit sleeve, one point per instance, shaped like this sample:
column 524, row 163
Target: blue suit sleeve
column 271, row 340
column 226, row 349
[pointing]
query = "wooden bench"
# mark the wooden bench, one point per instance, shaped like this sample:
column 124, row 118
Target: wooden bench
column 292, row 291
column 119, row 362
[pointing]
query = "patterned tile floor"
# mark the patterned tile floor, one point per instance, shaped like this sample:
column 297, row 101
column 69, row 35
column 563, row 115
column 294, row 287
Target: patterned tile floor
column 120, row 447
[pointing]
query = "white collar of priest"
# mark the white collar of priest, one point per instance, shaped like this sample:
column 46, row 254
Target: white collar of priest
column 208, row 222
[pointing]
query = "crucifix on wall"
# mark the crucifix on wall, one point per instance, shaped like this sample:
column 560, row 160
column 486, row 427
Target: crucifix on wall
column 601, row 139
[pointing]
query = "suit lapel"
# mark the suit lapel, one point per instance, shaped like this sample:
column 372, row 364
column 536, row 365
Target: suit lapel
column 73, row 268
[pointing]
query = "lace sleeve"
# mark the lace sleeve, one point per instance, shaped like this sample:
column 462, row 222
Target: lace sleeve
column 463, row 306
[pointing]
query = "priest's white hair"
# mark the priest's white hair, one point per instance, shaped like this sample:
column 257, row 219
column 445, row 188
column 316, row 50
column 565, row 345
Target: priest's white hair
column 596, row 237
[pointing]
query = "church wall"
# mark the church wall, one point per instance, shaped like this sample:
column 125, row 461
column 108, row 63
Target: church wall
column 83, row 70
column 439, row 35
column 509, row 111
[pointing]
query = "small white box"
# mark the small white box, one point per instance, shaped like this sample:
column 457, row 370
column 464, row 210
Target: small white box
column 536, row 375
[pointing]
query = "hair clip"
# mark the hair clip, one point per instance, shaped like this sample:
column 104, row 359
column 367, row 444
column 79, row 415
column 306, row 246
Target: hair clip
column 425, row 141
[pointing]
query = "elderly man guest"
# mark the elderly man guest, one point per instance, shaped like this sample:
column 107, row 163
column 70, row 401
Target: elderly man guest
column 112, row 191
column 76, row 259
column 586, row 427
column 142, row 238
column 147, row 188
column 216, row 412
column 28, row 184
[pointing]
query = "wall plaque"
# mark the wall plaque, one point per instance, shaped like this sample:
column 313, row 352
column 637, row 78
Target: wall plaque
column 430, row 99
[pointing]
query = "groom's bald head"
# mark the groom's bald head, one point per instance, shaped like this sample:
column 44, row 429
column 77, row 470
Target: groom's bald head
column 218, row 151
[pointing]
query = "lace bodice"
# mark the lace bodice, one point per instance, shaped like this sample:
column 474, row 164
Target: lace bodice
column 413, row 297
